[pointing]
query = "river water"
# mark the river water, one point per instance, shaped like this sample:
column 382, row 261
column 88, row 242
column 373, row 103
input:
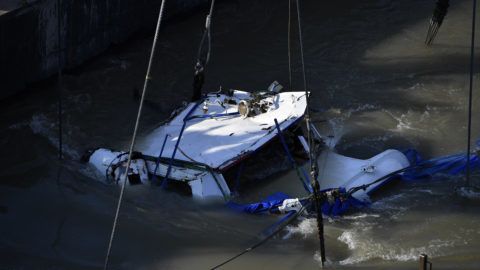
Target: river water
column 374, row 86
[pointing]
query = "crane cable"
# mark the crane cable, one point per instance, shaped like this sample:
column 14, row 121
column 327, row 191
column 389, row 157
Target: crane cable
column 292, row 216
column 289, row 45
column 59, row 83
column 470, row 94
column 132, row 144
column 314, row 183
column 201, row 63
column 208, row 37
column 313, row 167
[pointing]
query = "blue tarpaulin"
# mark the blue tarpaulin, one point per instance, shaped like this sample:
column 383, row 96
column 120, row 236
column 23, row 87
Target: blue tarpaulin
column 269, row 204
column 340, row 204
column 452, row 165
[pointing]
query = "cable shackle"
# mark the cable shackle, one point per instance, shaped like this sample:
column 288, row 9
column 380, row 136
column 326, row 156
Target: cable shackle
column 208, row 21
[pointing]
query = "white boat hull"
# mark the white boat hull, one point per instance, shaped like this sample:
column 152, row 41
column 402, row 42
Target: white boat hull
column 338, row 171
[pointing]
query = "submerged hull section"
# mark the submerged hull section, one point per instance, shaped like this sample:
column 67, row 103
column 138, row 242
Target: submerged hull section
column 337, row 171
column 204, row 184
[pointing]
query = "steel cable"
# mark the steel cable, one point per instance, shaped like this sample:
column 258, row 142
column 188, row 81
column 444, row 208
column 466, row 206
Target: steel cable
column 132, row 144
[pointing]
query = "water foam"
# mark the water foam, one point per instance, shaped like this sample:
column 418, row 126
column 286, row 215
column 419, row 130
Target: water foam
column 469, row 193
column 364, row 248
column 361, row 216
column 305, row 228
column 403, row 121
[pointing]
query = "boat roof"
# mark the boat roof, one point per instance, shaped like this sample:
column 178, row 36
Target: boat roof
column 220, row 137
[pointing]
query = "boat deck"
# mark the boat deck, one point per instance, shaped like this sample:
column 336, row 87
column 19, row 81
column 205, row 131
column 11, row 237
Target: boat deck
column 220, row 137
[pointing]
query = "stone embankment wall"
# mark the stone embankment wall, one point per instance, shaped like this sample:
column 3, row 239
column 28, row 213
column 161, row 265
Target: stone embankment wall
column 30, row 43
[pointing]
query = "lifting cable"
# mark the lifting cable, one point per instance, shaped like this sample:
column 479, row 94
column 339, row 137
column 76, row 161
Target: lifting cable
column 59, row 82
column 301, row 173
column 313, row 167
column 60, row 130
column 289, row 45
column 202, row 62
column 293, row 216
column 470, row 94
column 314, row 184
column 132, row 144
column 198, row 81
column 177, row 144
column 206, row 37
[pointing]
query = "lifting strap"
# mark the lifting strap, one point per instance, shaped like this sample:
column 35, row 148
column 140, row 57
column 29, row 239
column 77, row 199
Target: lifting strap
column 301, row 173
column 203, row 58
column 170, row 164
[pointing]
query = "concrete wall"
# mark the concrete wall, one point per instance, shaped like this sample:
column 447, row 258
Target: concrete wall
column 29, row 43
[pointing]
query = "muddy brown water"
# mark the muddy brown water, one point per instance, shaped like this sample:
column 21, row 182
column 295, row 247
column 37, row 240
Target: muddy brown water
column 374, row 86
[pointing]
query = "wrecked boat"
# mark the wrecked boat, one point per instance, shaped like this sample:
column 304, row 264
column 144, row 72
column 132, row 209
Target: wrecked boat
column 203, row 140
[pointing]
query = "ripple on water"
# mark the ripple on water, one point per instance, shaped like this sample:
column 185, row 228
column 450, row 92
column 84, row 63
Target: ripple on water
column 364, row 248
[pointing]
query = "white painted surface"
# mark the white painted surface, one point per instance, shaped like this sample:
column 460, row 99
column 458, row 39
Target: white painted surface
column 210, row 187
column 176, row 173
column 341, row 171
column 213, row 141
column 217, row 142
column 102, row 158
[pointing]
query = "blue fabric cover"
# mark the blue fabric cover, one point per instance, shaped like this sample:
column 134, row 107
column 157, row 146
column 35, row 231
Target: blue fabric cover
column 341, row 205
column 269, row 204
column 452, row 165
column 272, row 202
